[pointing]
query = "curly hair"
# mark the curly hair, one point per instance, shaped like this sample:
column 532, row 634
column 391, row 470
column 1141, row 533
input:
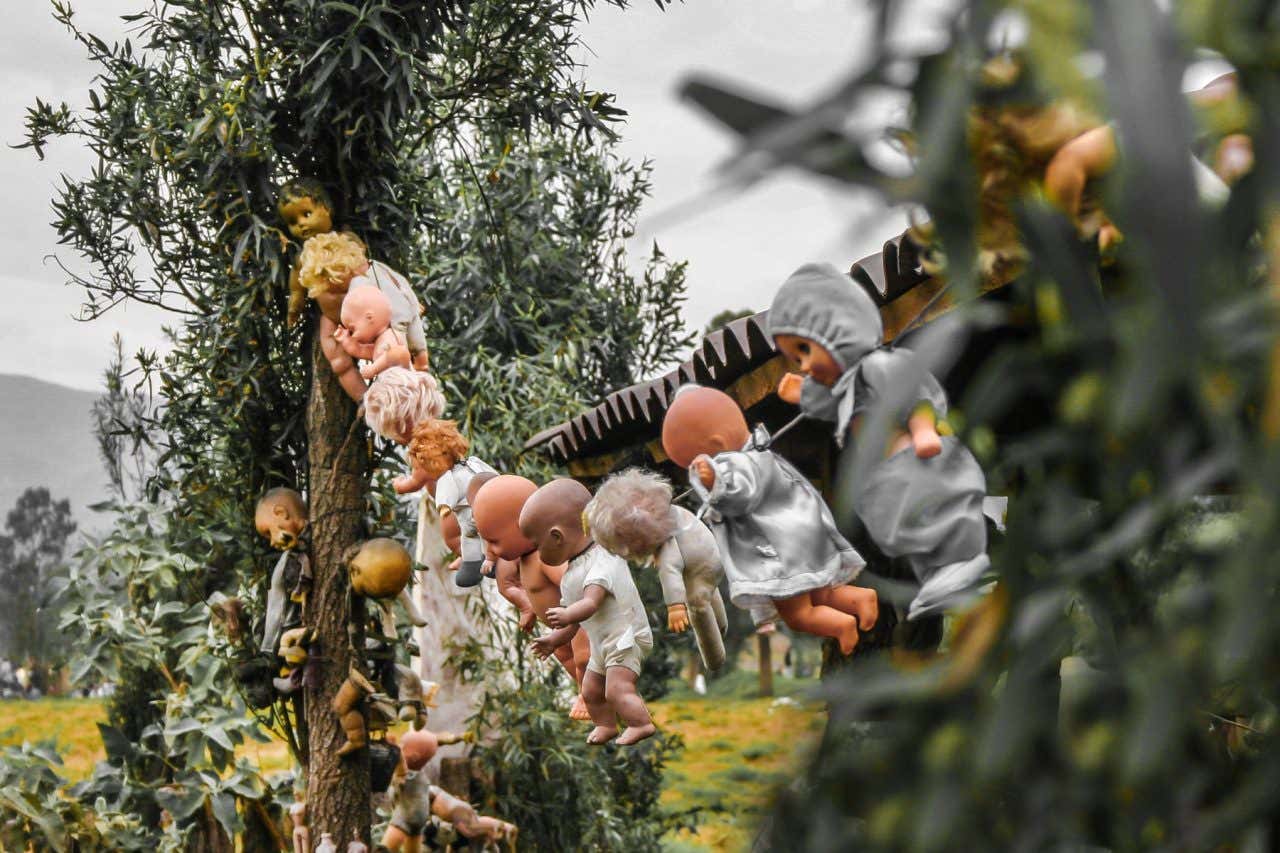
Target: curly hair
column 399, row 399
column 328, row 261
column 300, row 188
column 630, row 515
column 436, row 446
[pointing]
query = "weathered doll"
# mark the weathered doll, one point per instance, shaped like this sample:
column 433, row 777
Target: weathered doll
column 381, row 569
column 400, row 400
column 307, row 210
column 366, row 332
column 923, row 500
column 632, row 516
column 524, row 578
column 778, row 541
column 599, row 597
column 438, row 456
column 417, row 801
column 281, row 518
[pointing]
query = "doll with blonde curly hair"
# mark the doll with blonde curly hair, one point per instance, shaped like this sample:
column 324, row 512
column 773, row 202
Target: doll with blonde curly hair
column 632, row 516
column 401, row 399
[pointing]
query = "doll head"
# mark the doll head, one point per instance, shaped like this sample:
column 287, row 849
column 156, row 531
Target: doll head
column 280, row 517
column 552, row 519
column 366, row 314
column 400, row 399
column 329, row 261
column 824, row 322
column 379, row 568
column 436, row 446
column 305, row 207
column 476, row 482
column 702, row 420
column 630, row 516
column 417, row 748
column 495, row 509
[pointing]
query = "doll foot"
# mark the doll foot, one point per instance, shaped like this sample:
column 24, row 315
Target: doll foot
column 866, row 608
column 848, row 638
column 350, row 747
column 579, row 710
column 635, row 734
column 469, row 574
column 601, row 735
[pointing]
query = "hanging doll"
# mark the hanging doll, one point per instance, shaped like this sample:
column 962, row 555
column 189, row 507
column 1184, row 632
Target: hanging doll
column 366, row 332
column 438, row 456
column 599, row 596
column 400, row 400
column 281, row 518
column 923, row 500
column 418, row 801
column 523, row 577
column 307, row 210
column 632, row 516
column 380, row 569
column 778, row 541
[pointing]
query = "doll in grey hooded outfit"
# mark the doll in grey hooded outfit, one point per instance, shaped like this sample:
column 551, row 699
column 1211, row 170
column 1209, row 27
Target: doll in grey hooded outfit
column 921, row 497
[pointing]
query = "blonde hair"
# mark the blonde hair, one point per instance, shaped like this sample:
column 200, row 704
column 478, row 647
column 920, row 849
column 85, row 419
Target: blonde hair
column 328, row 261
column 630, row 516
column 436, row 446
column 399, row 399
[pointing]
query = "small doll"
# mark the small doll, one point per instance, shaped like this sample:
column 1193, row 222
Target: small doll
column 778, row 541
column 301, row 835
column 366, row 332
column 923, row 500
column 632, row 516
column 438, row 455
column 598, row 595
column 281, row 518
column 526, row 580
column 400, row 400
column 417, row 800
column 307, row 210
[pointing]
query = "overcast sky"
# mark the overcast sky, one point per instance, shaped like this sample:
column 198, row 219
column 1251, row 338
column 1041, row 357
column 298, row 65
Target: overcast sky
column 738, row 249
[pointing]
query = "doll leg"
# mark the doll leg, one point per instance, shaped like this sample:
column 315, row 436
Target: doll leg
column 397, row 840
column 341, row 364
column 581, row 647
column 621, row 693
column 717, row 604
column 594, row 695
column 857, row 601
column 800, row 613
column 566, row 656
column 346, row 704
column 706, row 631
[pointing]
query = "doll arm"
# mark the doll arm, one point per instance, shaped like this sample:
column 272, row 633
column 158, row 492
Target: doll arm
column 670, row 564
column 548, row 643
column 735, row 487
column 393, row 355
column 351, row 346
column 1089, row 155
column 581, row 610
column 410, row 482
column 509, row 587
column 297, row 296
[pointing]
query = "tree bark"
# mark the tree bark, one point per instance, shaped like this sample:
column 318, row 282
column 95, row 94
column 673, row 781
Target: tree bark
column 338, row 479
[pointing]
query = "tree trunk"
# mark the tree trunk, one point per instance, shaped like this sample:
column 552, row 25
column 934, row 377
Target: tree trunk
column 338, row 474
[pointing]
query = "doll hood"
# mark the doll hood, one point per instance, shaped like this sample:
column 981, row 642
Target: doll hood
column 826, row 306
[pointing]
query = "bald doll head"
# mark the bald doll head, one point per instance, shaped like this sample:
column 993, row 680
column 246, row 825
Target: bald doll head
column 552, row 519
column 476, row 482
column 702, row 420
column 496, row 511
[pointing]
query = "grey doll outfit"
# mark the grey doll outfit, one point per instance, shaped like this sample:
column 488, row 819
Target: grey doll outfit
column 777, row 538
column 451, row 491
column 689, row 570
column 619, row 629
column 927, row 511
column 406, row 310
column 413, row 804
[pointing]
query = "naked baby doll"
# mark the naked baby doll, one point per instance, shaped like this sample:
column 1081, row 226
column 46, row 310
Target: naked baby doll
column 778, row 541
column 366, row 332
column 923, row 500
column 599, row 596
column 524, row 578
column 632, row 516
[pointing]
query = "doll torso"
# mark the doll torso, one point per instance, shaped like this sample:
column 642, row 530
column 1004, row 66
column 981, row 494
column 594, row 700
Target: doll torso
column 620, row 622
column 688, row 563
column 413, row 804
column 540, row 582
column 406, row 311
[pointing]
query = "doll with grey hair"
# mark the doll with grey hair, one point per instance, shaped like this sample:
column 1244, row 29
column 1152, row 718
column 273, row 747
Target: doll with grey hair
column 631, row 516
column 918, row 491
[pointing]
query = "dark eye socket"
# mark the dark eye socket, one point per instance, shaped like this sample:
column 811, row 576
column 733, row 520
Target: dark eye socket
column 803, row 348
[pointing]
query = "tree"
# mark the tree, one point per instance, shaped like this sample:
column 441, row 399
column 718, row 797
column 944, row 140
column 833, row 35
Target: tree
column 400, row 108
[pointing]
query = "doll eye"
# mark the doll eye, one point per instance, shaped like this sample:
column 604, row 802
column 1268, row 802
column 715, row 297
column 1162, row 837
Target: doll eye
column 803, row 348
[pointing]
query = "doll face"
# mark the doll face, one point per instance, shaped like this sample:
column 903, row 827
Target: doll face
column 279, row 522
column 365, row 314
column 305, row 217
column 811, row 359
column 496, row 512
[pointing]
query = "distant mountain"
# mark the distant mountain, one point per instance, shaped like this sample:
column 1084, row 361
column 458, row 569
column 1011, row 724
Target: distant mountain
column 46, row 439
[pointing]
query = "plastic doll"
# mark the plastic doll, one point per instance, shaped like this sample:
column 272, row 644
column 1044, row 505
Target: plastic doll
column 438, row 455
column 923, row 500
column 778, row 541
column 599, row 596
column 524, row 578
column 327, row 844
column 380, row 569
column 307, row 210
column 366, row 332
column 281, row 518
column 417, row 800
column 301, row 836
column 400, row 400
column 632, row 516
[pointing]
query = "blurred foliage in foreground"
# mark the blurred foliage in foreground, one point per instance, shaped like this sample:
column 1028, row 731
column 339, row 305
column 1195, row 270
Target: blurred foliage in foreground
column 1140, row 386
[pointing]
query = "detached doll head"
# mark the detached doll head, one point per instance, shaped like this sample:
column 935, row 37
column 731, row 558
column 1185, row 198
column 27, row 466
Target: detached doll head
column 496, row 513
column 436, row 446
column 630, row 516
column 305, row 207
column 399, row 400
column 702, row 420
column 280, row 517
column 379, row 568
column 824, row 322
column 366, row 314
column 418, row 747
column 552, row 519
column 329, row 261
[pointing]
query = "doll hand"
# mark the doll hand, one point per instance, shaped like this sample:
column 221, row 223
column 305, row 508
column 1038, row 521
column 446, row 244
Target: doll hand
column 455, row 565
column 542, row 648
column 555, row 617
column 368, row 371
column 789, row 388
column 527, row 620
column 927, row 444
column 677, row 617
column 341, row 334
column 489, row 569
column 706, row 474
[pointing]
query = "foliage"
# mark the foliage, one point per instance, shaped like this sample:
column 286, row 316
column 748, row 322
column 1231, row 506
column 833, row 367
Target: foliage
column 725, row 317
column 1110, row 400
column 32, row 550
